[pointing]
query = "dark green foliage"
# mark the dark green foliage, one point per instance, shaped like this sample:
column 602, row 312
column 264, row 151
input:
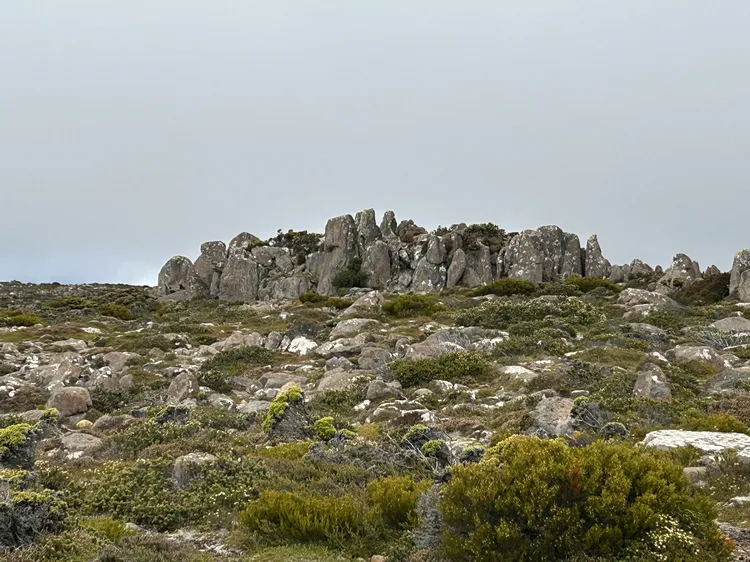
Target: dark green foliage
column 17, row 445
column 351, row 276
column 710, row 290
column 15, row 317
column 311, row 298
column 505, row 287
column 463, row 366
column 116, row 311
column 487, row 233
column 697, row 421
column 27, row 515
column 300, row 243
column 235, row 361
column 536, row 500
column 545, row 341
column 586, row 284
column 406, row 305
column 503, row 313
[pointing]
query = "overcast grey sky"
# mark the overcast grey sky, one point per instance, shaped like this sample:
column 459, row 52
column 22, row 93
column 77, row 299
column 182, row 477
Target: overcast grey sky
column 134, row 130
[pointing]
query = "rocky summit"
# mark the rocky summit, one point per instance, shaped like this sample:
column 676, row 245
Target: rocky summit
column 380, row 392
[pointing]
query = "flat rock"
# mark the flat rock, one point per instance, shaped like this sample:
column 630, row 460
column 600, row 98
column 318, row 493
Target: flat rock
column 339, row 379
column 700, row 353
column 353, row 326
column 732, row 324
column 708, row 442
column 79, row 442
column 402, row 412
column 517, row 372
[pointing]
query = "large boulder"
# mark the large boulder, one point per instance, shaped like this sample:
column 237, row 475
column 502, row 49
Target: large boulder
column 70, row 400
column 524, row 257
column 652, row 383
column 633, row 298
column 683, row 272
column 340, row 248
column 594, row 264
column 389, row 225
column 240, row 280
column 287, row 288
column 699, row 353
column 553, row 416
column 243, row 241
column 183, row 386
column 430, row 273
column 456, row 268
column 732, row 324
column 367, row 230
column 209, row 265
column 177, row 275
column 737, row 279
column 353, row 326
column 707, row 442
column 376, row 264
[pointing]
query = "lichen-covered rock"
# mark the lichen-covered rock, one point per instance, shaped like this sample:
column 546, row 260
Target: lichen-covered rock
column 340, row 248
column 553, row 416
column 595, row 265
column 186, row 467
column 732, row 324
column 183, row 386
column 287, row 418
column 402, row 413
column 177, row 275
column 18, row 444
column 708, row 442
column 376, row 264
column 353, row 326
column 636, row 297
column 28, row 514
column 70, row 400
column 699, row 353
column 739, row 266
column 209, row 265
column 244, row 241
column 652, row 383
column 683, row 272
column 240, row 279
column 456, row 268
column 524, row 257
column 367, row 230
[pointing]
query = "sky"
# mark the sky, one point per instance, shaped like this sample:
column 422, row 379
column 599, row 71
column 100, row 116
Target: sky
column 134, row 131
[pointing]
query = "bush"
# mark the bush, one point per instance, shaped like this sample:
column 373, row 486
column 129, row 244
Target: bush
column 714, row 422
column 411, row 305
column 351, row 276
column 234, row 362
column 324, row 428
column 18, row 318
column 505, row 287
column 586, row 284
column 466, row 367
column 395, row 498
column 502, row 313
column 116, row 311
column 710, row 290
column 531, row 499
column 312, row 298
column 487, row 233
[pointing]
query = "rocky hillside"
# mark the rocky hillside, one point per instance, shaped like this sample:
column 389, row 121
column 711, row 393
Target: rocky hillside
column 380, row 393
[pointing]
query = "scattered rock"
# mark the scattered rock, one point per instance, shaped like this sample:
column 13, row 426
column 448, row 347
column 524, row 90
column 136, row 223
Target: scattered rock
column 183, row 386
column 70, row 400
column 186, row 467
column 709, row 442
column 652, row 383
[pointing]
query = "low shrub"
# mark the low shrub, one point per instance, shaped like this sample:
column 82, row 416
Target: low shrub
column 586, row 284
column 395, row 499
column 406, row 305
column 505, row 287
column 466, row 367
column 116, row 311
column 351, row 276
column 503, row 313
column 235, row 361
column 14, row 317
column 311, row 298
column 324, row 428
column 487, row 233
column 696, row 421
column 710, row 290
column 532, row 499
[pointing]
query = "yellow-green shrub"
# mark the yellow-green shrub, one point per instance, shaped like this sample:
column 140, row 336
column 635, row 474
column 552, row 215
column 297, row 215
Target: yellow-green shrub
column 395, row 499
column 405, row 305
column 586, row 284
column 504, row 287
column 536, row 500
column 461, row 366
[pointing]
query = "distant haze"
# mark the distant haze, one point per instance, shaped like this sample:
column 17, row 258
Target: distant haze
column 133, row 131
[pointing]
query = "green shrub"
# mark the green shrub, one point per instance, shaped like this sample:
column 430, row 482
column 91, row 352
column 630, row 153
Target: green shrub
column 505, row 287
column 714, row 422
column 235, row 361
column 465, row 367
column 487, row 233
column 312, row 298
column 351, row 276
column 406, row 305
column 531, row 499
column 17, row 445
column 324, row 428
column 116, row 311
column 15, row 317
column 503, row 313
column 710, row 290
column 395, row 498
column 586, row 284
column 279, row 406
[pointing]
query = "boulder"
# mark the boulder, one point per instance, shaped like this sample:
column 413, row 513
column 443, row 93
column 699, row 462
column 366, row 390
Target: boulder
column 70, row 400
column 117, row 360
column 683, row 272
column 367, row 230
column 340, row 248
column 646, row 332
column 525, row 257
column 594, row 263
column 353, row 326
column 652, row 383
column 635, row 297
column 254, row 407
column 553, row 416
column 183, row 386
column 739, row 266
column 75, row 442
column 244, row 241
column 379, row 390
column 402, row 413
column 339, row 379
column 185, row 468
column 389, row 226
column 517, row 372
column 707, row 442
column 286, row 288
column 372, row 358
column 727, row 381
column 240, row 279
column 209, row 265
column 456, row 268
column 110, row 424
column 177, row 275
column 732, row 324
column 376, row 265
column 700, row 353
column 369, row 302
column 301, row 345
column 281, row 378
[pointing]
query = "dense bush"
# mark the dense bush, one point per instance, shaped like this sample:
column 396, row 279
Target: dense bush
column 351, row 276
column 405, row 305
column 537, row 500
column 487, row 233
column 505, row 287
column 14, row 317
column 713, row 422
column 234, row 362
column 586, row 284
column 311, row 298
column 463, row 366
column 710, row 290
column 501, row 313
column 116, row 311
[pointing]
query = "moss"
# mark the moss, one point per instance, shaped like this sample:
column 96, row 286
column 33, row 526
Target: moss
column 13, row 437
column 279, row 406
column 324, row 428
column 432, row 448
